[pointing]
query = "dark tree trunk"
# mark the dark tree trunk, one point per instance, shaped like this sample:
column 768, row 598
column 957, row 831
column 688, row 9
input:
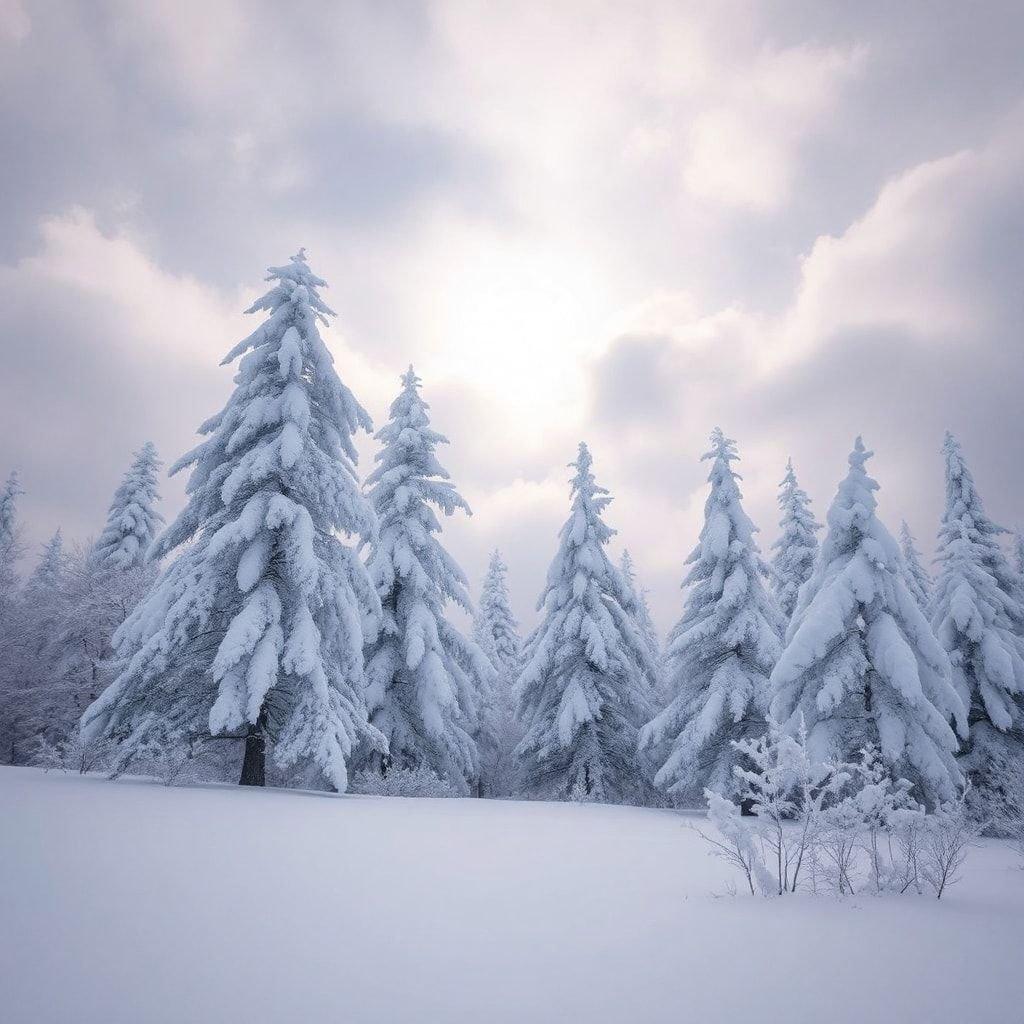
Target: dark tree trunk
column 254, row 764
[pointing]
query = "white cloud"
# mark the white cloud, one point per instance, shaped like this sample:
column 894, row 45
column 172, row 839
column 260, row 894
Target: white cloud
column 549, row 178
column 902, row 325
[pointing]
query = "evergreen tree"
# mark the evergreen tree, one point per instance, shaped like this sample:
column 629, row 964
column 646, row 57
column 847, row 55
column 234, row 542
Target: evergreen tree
column 1018, row 552
column 424, row 678
column 39, row 615
column 10, row 640
column 918, row 580
column 979, row 619
column 797, row 546
column 584, row 689
column 861, row 664
column 644, row 623
column 132, row 521
column 10, row 544
column 723, row 648
column 46, row 576
column 496, row 633
column 102, row 587
column 258, row 624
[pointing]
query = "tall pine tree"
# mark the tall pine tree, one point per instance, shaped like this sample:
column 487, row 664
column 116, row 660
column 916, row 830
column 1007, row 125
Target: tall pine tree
column 10, row 639
column 979, row 619
column 918, row 580
column 10, row 544
column 723, row 648
column 424, row 678
column 641, row 612
column 102, row 587
column 132, row 521
column 256, row 629
column 797, row 545
column 861, row 664
column 584, row 689
column 40, row 613
column 496, row 633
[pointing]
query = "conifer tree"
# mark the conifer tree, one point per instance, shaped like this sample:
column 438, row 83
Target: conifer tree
column 132, row 521
column 722, row 650
column 496, row 633
column 797, row 545
column 256, row 628
column 424, row 678
column 45, row 578
column 644, row 623
column 102, row 586
column 979, row 619
column 918, row 580
column 1018, row 551
column 583, row 692
column 10, row 640
column 861, row 665
column 40, row 611
column 10, row 544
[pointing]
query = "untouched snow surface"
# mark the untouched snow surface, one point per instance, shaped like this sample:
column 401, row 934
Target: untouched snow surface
column 135, row 902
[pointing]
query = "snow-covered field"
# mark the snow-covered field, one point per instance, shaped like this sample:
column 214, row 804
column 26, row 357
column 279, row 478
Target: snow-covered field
column 135, row 902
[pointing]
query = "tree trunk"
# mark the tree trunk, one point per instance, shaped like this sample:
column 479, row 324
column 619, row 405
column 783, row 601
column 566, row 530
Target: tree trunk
column 254, row 764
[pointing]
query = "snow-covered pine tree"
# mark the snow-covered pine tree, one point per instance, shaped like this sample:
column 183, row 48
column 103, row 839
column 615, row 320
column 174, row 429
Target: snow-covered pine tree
column 10, row 645
column 102, row 586
column 1018, row 551
column 424, row 679
column 861, row 664
column 10, row 543
column 641, row 612
column 723, row 648
column 132, row 521
column 40, row 610
column 257, row 627
column 46, row 576
column 918, row 580
column 496, row 633
column 978, row 617
column 583, row 692
column 797, row 545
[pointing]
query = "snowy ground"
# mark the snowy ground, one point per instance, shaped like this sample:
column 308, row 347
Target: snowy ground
column 134, row 902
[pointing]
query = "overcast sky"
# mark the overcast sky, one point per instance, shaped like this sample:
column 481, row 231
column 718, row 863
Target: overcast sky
column 625, row 223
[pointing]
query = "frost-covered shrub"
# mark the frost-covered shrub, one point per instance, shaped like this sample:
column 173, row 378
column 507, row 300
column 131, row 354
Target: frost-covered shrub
column 166, row 758
column 844, row 827
column 948, row 835
column 905, row 834
column 73, row 754
column 786, row 791
column 861, row 819
column 737, row 845
column 417, row 782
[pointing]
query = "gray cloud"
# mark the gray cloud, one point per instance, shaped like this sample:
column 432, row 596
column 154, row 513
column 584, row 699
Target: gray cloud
column 831, row 194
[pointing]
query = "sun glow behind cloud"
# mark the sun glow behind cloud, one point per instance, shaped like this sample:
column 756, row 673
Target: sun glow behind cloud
column 580, row 221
